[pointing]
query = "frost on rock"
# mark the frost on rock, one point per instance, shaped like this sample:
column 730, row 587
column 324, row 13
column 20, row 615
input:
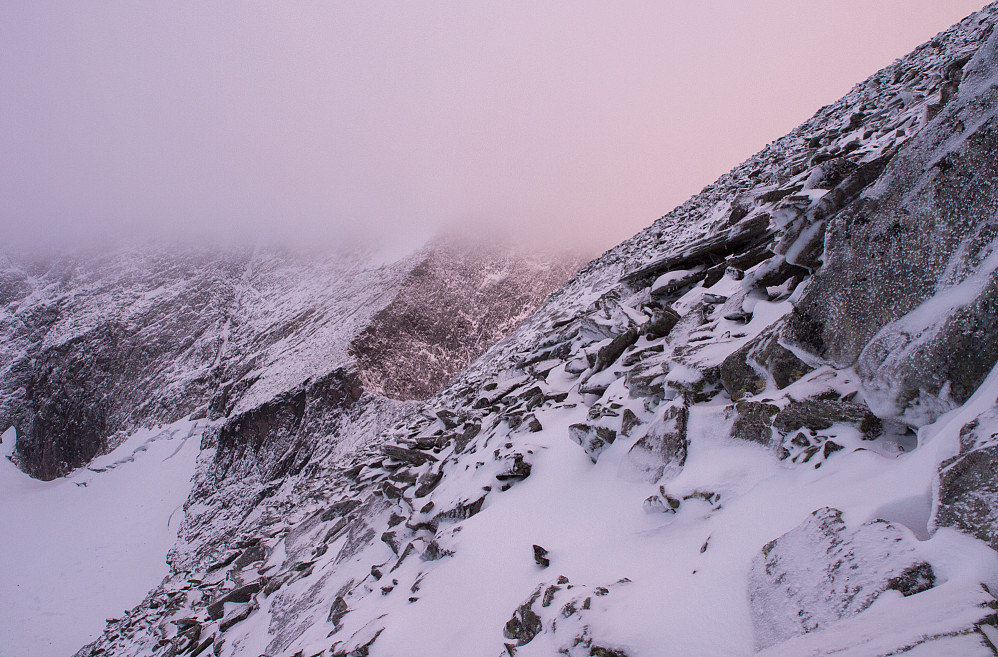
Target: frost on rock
column 968, row 483
column 662, row 450
column 907, row 291
column 821, row 572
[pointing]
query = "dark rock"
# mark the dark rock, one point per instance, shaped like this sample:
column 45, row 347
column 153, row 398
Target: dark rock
column 738, row 377
column 525, row 624
column 540, row 556
column 204, row 646
column 470, row 431
column 830, row 448
column 434, row 552
column 706, row 252
column 927, row 226
column 449, row 310
column 753, row 422
column 427, row 482
column 968, row 494
column 411, row 456
column 251, row 555
column 241, row 595
column 518, row 469
column 234, row 618
column 914, row 579
column 800, row 440
column 593, row 439
column 628, row 420
column 338, row 611
column 819, row 415
column 662, row 450
column 609, row 354
column 661, row 323
column 462, row 511
column 600, row 651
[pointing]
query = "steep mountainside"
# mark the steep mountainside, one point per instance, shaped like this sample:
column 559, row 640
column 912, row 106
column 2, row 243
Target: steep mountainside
column 764, row 425
column 97, row 346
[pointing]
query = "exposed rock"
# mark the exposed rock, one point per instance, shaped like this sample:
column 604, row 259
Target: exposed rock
column 594, row 439
column 662, row 450
column 438, row 323
column 410, row 456
column 609, row 354
column 819, row 414
column 518, row 469
column 241, row 595
column 540, row 557
column 661, row 324
column 926, row 227
column 968, row 494
column 738, row 376
column 753, row 422
column 525, row 624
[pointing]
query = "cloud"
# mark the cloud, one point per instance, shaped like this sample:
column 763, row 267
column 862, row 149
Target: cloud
column 571, row 123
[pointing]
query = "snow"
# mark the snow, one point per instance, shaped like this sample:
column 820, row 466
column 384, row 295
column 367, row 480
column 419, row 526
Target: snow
column 77, row 550
column 596, row 531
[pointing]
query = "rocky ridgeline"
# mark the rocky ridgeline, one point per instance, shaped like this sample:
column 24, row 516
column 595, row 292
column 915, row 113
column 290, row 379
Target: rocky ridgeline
column 824, row 304
column 97, row 346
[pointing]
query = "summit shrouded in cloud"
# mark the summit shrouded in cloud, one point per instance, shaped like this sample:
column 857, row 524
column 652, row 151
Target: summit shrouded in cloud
column 573, row 123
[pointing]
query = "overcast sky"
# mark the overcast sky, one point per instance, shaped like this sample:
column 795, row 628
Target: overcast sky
column 574, row 122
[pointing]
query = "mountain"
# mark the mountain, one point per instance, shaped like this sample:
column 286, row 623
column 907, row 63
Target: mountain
column 764, row 425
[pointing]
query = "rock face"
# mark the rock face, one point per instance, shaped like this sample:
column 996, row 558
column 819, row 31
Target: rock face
column 907, row 291
column 968, row 482
column 657, row 425
column 454, row 305
column 96, row 346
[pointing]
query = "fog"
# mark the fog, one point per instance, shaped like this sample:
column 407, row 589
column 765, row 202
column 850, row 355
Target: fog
column 570, row 123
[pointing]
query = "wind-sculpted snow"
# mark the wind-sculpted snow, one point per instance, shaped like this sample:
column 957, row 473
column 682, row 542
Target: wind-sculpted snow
column 671, row 456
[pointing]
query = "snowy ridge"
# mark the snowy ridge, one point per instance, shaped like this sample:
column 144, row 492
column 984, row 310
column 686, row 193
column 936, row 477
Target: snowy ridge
column 675, row 454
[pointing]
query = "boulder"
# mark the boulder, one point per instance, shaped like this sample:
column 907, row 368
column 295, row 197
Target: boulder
column 753, row 422
column 525, row 624
column 609, row 354
column 819, row 414
column 661, row 324
column 968, row 494
column 594, row 439
column 821, row 572
column 662, row 450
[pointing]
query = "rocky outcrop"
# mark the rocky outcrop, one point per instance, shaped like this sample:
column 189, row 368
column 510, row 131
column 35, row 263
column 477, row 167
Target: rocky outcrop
column 662, row 450
column 100, row 345
column 454, row 305
column 907, row 289
column 968, row 482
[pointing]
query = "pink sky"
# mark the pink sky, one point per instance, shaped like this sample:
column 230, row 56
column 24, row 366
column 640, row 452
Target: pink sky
column 572, row 122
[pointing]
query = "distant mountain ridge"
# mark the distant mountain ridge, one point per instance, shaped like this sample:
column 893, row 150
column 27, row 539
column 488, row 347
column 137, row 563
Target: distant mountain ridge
column 98, row 345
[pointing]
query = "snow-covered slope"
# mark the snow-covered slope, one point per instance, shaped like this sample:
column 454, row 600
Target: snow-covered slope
column 764, row 425
column 95, row 346
column 80, row 549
